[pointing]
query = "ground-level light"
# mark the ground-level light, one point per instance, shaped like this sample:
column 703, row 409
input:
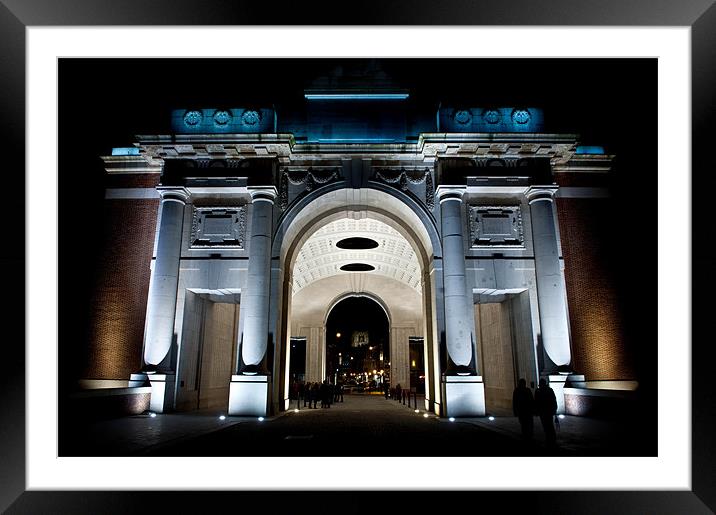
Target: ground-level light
column 452, row 419
column 222, row 417
column 490, row 418
column 261, row 419
column 560, row 415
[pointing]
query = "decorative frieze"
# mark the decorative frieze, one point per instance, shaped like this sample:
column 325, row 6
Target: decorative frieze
column 403, row 177
column 218, row 227
column 492, row 226
column 309, row 177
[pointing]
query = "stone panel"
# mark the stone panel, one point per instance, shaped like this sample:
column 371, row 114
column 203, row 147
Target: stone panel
column 400, row 356
column 492, row 226
column 218, row 351
column 218, row 227
column 495, row 347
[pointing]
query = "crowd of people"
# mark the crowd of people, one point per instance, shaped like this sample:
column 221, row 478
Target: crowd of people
column 311, row 392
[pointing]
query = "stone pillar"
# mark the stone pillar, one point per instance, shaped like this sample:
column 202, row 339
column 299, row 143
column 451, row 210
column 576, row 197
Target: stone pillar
column 552, row 304
column 249, row 389
column 464, row 392
column 161, row 304
column 457, row 327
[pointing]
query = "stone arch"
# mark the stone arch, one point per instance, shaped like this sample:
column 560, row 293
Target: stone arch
column 332, row 202
column 340, row 298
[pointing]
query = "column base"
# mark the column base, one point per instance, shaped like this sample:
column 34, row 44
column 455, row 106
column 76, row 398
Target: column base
column 557, row 383
column 463, row 396
column 249, row 395
column 162, row 397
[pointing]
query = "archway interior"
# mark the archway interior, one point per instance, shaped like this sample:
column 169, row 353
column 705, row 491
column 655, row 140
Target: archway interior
column 384, row 296
column 357, row 344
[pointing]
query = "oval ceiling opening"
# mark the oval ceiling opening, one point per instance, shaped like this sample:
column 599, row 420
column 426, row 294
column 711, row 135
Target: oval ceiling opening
column 357, row 267
column 357, row 243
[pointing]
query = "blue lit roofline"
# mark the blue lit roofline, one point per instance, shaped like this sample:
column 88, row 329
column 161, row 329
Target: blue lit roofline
column 356, row 96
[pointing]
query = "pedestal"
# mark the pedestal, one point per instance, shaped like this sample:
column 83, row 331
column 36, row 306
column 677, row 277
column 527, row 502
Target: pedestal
column 557, row 383
column 249, row 395
column 162, row 399
column 464, row 396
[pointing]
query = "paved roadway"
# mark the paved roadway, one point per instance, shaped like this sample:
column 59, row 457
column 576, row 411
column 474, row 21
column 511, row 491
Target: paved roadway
column 363, row 425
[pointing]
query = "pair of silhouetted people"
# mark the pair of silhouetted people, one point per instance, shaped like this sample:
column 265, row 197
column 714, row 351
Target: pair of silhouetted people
column 544, row 405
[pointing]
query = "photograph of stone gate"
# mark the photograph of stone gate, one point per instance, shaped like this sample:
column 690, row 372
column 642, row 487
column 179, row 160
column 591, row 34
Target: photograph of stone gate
column 480, row 234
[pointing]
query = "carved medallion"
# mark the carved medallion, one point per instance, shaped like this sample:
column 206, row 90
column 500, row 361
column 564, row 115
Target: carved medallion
column 521, row 116
column 462, row 117
column 192, row 118
column 250, row 118
column 491, row 116
column 222, row 118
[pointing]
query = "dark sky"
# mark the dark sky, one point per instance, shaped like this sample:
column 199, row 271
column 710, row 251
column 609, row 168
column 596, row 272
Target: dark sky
column 610, row 102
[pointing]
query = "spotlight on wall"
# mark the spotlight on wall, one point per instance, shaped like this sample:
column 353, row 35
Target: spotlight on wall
column 261, row 419
column 222, row 417
column 452, row 419
column 560, row 416
column 490, row 418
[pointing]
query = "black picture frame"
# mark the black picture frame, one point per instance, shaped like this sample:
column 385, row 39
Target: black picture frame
column 700, row 15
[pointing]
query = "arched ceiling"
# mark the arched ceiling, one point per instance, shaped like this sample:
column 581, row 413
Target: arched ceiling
column 319, row 257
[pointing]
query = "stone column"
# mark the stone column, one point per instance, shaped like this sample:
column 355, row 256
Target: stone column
column 161, row 304
column 463, row 390
column 552, row 304
column 249, row 389
column 457, row 327
column 258, row 284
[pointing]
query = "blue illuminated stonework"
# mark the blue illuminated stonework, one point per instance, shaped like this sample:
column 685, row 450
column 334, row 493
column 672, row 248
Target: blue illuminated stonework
column 229, row 121
column 589, row 149
column 502, row 119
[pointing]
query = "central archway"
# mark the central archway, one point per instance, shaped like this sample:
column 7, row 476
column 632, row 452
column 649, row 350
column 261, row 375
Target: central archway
column 357, row 343
column 399, row 271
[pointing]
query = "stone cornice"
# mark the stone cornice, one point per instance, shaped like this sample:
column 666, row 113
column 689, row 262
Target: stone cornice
column 585, row 163
column 560, row 149
column 132, row 164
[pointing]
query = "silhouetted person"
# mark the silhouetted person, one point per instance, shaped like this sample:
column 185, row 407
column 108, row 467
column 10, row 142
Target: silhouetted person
column 546, row 407
column 340, row 391
column 524, row 409
column 398, row 392
column 325, row 394
column 386, row 390
column 315, row 393
column 301, row 394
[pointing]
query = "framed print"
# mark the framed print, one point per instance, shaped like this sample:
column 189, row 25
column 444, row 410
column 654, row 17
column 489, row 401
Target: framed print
column 164, row 152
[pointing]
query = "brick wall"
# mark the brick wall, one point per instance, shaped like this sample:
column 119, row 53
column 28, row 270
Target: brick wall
column 135, row 180
column 599, row 346
column 119, row 300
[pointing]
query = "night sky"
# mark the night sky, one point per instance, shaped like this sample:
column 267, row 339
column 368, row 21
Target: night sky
column 610, row 102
